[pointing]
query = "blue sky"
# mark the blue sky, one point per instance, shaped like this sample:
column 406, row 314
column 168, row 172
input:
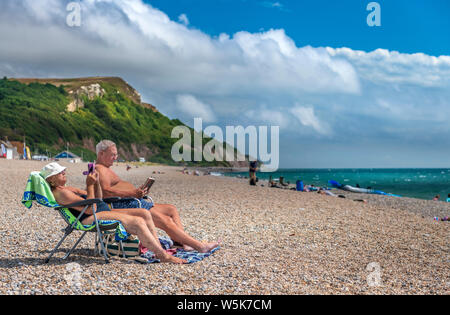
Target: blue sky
column 408, row 26
column 343, row 94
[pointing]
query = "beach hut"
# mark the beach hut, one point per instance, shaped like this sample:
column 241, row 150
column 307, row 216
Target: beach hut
column 8, row 151
column 68, row 156
column 18, row 148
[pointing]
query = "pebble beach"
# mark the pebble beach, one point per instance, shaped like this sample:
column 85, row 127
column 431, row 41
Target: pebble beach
column 273, row 241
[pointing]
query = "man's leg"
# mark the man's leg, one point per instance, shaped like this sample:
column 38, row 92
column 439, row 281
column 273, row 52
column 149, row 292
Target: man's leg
column 166, row 210
column 167, row 224
column 169, row 211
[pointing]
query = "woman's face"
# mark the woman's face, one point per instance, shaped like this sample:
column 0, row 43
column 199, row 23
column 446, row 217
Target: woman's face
column 58, row 179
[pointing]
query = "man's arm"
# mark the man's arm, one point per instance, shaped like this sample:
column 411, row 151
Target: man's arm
column 109, row 191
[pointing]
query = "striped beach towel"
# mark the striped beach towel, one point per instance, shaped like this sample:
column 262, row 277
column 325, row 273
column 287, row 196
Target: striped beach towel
column 167, row 244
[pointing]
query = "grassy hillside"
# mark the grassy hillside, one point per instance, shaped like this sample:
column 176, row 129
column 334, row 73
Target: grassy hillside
column 37, row 110
column 74, row 84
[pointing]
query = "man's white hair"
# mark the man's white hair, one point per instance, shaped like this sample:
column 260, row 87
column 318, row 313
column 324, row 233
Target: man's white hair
column 104, row 145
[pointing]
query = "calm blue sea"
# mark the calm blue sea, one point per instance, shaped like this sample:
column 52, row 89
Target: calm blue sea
column 415, row 183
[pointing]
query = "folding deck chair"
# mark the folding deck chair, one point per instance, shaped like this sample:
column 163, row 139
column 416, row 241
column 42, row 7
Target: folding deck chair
column 39, row 190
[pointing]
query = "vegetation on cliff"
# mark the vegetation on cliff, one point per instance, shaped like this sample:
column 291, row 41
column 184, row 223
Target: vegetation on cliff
column 38, row 111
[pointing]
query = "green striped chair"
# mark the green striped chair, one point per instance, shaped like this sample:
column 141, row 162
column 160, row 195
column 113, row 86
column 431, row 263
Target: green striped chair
column 38, row 190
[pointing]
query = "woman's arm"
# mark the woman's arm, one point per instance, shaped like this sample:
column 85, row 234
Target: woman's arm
column 65, row 196
column 77, row 191
column 98, row 190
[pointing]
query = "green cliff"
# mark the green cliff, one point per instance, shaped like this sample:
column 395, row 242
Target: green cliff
column 51, row 113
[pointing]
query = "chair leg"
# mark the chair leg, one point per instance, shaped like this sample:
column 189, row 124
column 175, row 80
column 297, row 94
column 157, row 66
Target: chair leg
column 96, row 249
column 105, row 255
column 66, row 233
column 122, row 249
column 74, row 246
column 101, row 240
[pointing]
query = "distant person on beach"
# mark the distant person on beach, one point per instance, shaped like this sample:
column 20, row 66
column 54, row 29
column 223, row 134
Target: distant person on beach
column 282, row 183
column 271, row 182
column 136, row 221
column 437, row 198
column 326, row 192
column 166, row 217
column 323, row 191
column 252, row 172
column 448, row 198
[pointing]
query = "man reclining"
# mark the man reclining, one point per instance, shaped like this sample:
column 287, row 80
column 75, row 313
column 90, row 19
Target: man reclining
column 165, row 217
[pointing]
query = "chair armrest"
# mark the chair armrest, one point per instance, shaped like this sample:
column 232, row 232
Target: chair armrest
column 125, row 198
column 128, row 198
column 87, row 202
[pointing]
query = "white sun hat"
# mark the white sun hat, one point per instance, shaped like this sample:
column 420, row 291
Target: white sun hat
column 51, row 169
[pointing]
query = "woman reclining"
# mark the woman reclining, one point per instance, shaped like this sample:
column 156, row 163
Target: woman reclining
column 136, row 221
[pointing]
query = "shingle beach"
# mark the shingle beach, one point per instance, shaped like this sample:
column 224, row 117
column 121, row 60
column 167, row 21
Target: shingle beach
column 274, row 241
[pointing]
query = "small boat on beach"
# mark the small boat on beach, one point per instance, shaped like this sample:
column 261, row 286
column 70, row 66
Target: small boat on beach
column 359, row 190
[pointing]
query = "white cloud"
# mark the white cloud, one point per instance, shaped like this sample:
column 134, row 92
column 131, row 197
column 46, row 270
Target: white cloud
column 268, row 116
column 274, row 5
column 307, row 117
column 183, row 19
column 387, row 67
column 190, row 105
column 133, row 35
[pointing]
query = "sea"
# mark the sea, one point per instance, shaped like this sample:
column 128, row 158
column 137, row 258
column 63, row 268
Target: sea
column 412, row 182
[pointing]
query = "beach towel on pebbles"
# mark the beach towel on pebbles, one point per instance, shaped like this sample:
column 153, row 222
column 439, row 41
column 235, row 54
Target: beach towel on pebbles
column 167, row 244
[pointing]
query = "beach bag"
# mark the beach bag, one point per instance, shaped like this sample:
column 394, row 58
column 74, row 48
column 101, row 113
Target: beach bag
column 300, row 186
column 130, row 246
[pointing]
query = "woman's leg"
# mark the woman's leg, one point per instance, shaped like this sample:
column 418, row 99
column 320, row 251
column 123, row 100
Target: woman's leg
column 142, row 213
column 137, row 226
